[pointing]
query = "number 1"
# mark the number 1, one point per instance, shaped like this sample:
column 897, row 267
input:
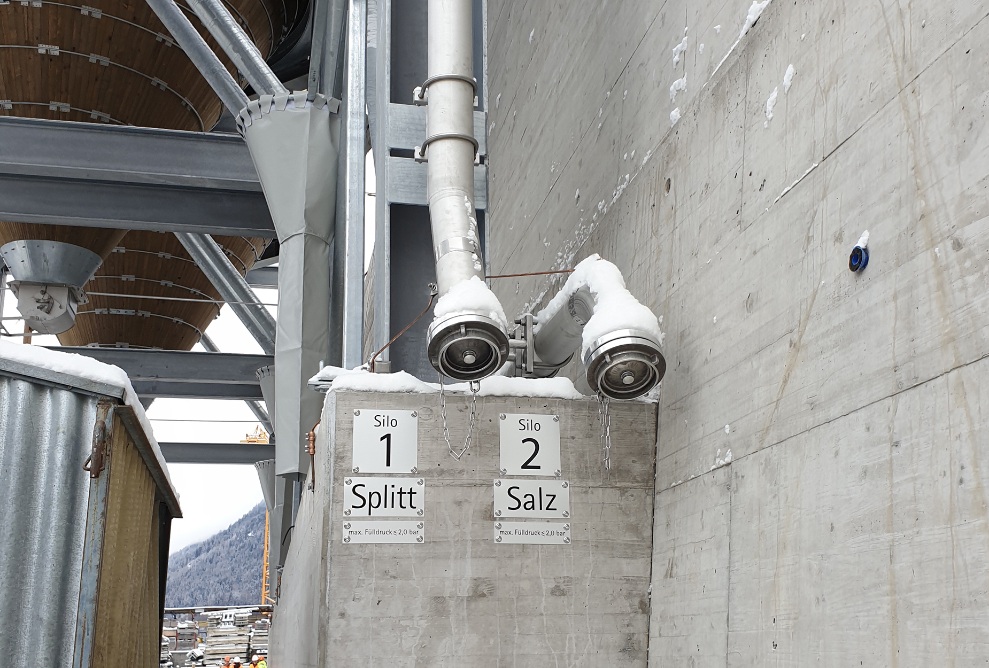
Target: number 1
column 387, row 439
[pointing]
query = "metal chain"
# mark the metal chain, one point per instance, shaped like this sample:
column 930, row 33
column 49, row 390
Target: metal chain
column 604, row 415
column 475, row 386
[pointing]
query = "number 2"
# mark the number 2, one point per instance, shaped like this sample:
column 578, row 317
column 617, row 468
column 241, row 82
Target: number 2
column 535, row 451
column 387, row 439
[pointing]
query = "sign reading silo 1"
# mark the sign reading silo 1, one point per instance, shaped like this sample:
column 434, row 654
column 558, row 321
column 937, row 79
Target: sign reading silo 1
column 385, row 441
column 530, row 447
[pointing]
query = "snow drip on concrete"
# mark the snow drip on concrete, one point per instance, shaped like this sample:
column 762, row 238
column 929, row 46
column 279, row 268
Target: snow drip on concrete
column 770, row 105
column 680, row 48
column 788, row 78
column 614, row 306
column 677, row 86
column 771, row 102
column 755, row 11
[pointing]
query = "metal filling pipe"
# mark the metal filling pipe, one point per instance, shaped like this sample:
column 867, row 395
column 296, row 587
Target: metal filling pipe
column 620, row 364
column 466, row 345
column 216, row 75
column 233, row 288
column 238, row 46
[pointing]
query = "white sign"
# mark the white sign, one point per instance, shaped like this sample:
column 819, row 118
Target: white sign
column 384, row 497
column 530, row 444
column 532, row 533
column 532, row 498
column 386, row 531
column 386, row 441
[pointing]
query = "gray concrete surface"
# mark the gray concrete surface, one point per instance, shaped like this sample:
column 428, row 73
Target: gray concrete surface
column 460, row 599
column 852, row 525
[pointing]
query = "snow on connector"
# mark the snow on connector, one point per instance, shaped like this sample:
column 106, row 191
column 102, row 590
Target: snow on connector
column 471, row 296
column 619, row 337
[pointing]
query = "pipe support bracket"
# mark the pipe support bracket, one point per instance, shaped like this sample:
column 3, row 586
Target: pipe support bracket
column 420, row 94
column 456, row 245
column 420, row 151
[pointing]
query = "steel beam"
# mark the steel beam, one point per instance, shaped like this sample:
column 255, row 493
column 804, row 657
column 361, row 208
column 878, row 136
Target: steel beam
column 172, row 366
column 160, row 389
column 55, row 172
column 201, row 55
column 263, row 277
column 232, row 287
column 216, row 453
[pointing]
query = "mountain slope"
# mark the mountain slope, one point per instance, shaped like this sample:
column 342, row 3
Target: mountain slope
column 224, row 569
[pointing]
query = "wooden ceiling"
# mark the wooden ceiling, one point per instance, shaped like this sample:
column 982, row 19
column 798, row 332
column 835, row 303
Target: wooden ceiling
column 112, row 61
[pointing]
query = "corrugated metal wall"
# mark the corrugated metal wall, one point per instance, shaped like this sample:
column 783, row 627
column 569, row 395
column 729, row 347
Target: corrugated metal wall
column 43, row 497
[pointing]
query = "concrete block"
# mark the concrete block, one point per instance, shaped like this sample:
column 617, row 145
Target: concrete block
column 459, row 598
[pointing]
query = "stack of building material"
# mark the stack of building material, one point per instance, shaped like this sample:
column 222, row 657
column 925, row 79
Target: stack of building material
column 228, row 633
column 259, row 640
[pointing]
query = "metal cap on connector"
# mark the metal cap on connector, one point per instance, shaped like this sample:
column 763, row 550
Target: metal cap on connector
column 624, row 364
column 467, row 346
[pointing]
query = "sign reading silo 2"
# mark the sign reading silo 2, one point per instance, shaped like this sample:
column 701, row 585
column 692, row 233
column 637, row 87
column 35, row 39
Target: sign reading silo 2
column 386, row 441
column 530, row 444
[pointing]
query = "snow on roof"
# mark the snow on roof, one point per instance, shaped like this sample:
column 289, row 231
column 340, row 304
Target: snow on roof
column 614, row 306
column 85, row 368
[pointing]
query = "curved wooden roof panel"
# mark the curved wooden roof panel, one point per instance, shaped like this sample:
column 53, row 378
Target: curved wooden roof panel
column 112, row 61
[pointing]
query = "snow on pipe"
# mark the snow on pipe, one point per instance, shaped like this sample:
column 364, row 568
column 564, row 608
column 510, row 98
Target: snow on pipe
column 468, row 338
column 216, row 75
column 238, row 46
column 619, row 338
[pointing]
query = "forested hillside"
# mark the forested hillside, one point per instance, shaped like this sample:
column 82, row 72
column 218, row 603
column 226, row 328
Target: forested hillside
column 224, row 569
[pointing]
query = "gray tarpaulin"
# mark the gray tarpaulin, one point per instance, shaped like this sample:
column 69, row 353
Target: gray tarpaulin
column 294, row 144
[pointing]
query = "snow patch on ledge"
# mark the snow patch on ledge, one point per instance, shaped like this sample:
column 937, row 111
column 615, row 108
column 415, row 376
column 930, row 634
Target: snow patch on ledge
column 335, row 379
column 68, row 363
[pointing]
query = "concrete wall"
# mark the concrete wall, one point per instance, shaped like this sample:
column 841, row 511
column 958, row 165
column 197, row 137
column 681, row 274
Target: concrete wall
column 460, row 599
column 851, row 525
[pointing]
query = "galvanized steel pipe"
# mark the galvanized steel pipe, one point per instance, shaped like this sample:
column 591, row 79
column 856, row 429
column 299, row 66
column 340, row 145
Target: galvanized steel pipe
column 238, row 46
column 451, row 145
column 233, row 288
column 216, row 75
column 465, row 345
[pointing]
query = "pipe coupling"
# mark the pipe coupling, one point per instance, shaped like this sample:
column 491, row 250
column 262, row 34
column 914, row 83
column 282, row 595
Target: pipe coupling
column 624, row 364
column 466, row 346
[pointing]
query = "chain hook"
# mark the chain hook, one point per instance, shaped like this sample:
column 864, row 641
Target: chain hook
column 475, row 387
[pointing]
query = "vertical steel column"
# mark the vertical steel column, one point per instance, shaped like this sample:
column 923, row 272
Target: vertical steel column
column 348, row 250
column 381, row 330
column 329, row 39
column 232, row 287
column 200, row 54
